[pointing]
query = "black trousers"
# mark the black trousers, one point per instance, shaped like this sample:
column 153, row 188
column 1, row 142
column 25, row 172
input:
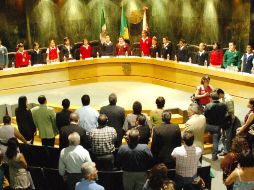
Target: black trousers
column 48, row 142
column 104, row 162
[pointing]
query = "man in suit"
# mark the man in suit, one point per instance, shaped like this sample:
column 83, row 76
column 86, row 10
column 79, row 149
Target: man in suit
column 45, row 120
column 167, row 49
column 182, row 53
column 166, row 137
column 74, row 127
column 63, row 117
column 107, row 47
column 116, row 117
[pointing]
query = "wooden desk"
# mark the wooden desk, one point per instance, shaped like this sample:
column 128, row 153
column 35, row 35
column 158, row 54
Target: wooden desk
column 156, row 71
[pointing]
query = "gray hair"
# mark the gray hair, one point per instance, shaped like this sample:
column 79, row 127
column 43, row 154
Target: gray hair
column 74, row 139
column 194, row 108
column 87, row 169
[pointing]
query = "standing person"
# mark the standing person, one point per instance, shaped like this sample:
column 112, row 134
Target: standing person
column 116, row 117
column 167, row 48
column 1, row 170
column 216, row 55
column 17, row 166
column 36, row 55
column 215, row 113
column 145, row 44
column 166, row 137
column 187, row 162
column 203, row 91
column 52, row 52
column 107, row 47
column 143, row 128
column 122, row 48
column 88, row 116
column 182, row 54
column 66, row 50
column 202, row 55
column 134, row 159
column 71, row 159
column 22, row 56
column 63, row 117
column 155, row 115
column 45, row 121
column 3, row 56
column 85, row 50
column 7, row 131
column 232, row 57
column 88, row 182
column 155, row 48
column 248, row 60
column 24, row 119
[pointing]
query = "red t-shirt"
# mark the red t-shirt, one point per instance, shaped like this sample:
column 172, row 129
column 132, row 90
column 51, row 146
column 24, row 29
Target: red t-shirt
column 121, row 49
column 216, row 57
column 22, row 59
column 85, row 52
column 202, row 90
column 145, row 46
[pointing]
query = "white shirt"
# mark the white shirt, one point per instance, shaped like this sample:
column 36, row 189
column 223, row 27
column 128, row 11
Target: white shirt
column 71, row 159
column 187, row 160
column 6, row 132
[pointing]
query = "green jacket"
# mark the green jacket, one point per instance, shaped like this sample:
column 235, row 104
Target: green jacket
column 232, row 58
column 45, row 121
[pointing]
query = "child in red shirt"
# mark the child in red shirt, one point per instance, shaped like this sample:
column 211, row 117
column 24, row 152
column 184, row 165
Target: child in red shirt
column 52, row 52
column 22, row 57
column 122, row 47
column 145, row 44
column 216, row 55
column 85, row 50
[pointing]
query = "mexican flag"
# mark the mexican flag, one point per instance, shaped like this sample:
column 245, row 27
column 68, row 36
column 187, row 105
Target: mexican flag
column 124, row 26
column 103, row 21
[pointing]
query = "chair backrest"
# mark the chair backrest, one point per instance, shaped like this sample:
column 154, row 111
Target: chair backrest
column 111, row 180
column 37, row 177
column 53, row 180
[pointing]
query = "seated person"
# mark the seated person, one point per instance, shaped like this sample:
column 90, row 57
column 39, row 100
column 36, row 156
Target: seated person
column 202, row 55
column 107, row 48
column 36, row 55
column 66, row 50
column 155, row 48
column 167, row 49
column 52, row 52
column 85, row 50
column 248, row 60
column 22, row 56
column 122, row 48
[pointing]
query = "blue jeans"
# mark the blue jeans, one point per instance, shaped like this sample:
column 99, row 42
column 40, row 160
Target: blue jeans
column 215, row 131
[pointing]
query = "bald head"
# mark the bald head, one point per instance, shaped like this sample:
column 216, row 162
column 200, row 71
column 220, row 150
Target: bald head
column 133, row 138
column 74, row 117
column 102, row 120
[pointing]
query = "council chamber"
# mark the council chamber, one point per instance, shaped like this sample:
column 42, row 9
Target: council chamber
column 126, row 94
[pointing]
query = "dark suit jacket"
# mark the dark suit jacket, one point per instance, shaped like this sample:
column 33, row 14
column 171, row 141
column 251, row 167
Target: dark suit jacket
column 183, row 54
column 166, row 137
column 62, row 118
column 65, row 53
column 116, row 117
column 67, row 130
column 168, row 50
column 37, row 58
column 200, row 59
column 155, row 50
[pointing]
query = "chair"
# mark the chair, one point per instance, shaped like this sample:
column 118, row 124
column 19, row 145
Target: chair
column 38, row 177
column 53, row 180
column 111, row 180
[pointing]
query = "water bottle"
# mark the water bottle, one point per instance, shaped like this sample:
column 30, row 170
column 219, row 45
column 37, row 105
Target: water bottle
column 190, row 61
column 142, row 54
column 13, row 64
column 205, row 63
column 157, row 54
column 126, row 54
column 97, row 54
column 168, row 57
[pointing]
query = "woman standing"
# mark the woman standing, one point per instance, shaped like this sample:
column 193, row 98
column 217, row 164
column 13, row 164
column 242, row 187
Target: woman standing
column 25, row 120
column 216, row 55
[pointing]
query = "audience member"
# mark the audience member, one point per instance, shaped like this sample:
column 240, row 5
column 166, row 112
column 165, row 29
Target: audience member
column 230, row 161
column 24, row 120
column 45, row 121
column 202, row 55
column 88, row 116
column 22, row 56
column 66, row 50
column 134, row 159
column 182, row 54
column 196, row 124
column 52, row 52
column 73, row 127
column 145, row 43
column 155, row 48
column 116, row 117
column 243, row 175
column 36, row 55
column 215, row 113
column 71, row 159
column 131, row 118
column 63, row 117
column 169, row 185
column 19, row 178
column 226, row 137
column 122, row 48
column 1, row 170
column 155, row 115
column 167, row 49
column 85, row 50
column 4, row 61
column 89, row 177
column 216, row 55
column 8, row 131
column 232, row 57
column 103, row 139
column 143, row 128
column 166, row 137
column 247, row 60
column 187, row 162
column 107, row 48
column 203, row 91
column 156, row 177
